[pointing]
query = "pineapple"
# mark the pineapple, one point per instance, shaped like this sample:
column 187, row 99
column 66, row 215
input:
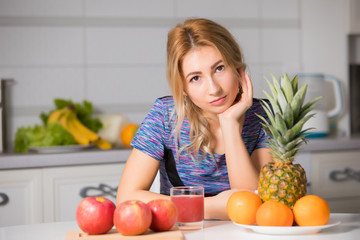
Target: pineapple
column 282, row 180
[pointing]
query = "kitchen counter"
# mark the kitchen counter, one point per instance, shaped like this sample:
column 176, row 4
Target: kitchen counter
column 35, row 160
column 348, row 229
column 95, row 156
column 331, row 144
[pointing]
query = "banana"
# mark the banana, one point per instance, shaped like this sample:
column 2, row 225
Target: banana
column 57, row 114
column 92, row 136
column 65, row 121
column 83, row 129
column 102, row 144
column 82, row 135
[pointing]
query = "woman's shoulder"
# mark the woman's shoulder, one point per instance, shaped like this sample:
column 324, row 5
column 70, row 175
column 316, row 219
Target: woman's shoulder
column 257, row 106
column 165, row 101
column 256, row 109
column 163, row 108
column 252, row 120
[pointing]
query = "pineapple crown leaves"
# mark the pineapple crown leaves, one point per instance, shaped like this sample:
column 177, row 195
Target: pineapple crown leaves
column 286, row 114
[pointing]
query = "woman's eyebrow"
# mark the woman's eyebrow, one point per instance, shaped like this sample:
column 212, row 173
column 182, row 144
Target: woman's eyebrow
column 198, row 72
column 215, row 64
column 192, row 73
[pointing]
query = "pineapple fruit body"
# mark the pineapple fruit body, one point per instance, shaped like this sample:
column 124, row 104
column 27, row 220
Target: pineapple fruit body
column 282, row 180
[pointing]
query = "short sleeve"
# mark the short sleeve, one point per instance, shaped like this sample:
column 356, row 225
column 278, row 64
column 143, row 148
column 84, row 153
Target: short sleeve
column 263, row 136
column 150, row 135
column 263, row 139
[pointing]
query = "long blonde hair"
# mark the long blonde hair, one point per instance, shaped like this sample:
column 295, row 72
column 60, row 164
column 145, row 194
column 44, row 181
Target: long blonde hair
column 195, row 33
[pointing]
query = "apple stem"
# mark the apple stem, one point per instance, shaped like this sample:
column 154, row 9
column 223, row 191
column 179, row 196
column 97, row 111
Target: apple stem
column 100, row 199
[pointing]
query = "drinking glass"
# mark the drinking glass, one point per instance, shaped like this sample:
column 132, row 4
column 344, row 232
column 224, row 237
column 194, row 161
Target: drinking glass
column 189, row 201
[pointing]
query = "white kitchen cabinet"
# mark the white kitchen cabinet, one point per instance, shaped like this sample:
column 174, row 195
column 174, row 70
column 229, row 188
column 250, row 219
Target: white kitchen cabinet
column 65, row 187
column 336, row 178
column 20, row 197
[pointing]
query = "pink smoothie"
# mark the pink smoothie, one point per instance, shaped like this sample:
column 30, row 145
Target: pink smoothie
column 190, row 208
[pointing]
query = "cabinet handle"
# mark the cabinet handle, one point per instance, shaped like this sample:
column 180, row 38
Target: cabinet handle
column 101, row 190
column 345, row 175
column 4, row 199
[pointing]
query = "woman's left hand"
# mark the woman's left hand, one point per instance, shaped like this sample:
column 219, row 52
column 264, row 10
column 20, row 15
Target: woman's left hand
column 238, row 109
column 215, row 206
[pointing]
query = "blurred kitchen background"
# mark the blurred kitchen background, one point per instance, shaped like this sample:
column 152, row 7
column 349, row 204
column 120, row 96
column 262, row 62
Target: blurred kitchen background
column 112, row 52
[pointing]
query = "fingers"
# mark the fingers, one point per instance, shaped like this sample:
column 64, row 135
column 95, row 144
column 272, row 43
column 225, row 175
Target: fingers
column 247, row 88
column 249, row 85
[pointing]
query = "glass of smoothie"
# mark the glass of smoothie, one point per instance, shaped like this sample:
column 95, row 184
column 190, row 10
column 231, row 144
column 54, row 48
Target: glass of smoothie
column 189, row 201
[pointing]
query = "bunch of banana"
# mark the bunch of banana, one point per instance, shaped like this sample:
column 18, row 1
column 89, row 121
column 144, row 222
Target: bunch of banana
column 82, row 135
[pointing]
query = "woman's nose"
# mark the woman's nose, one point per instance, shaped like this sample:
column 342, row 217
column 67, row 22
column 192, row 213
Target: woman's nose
column 214, row 86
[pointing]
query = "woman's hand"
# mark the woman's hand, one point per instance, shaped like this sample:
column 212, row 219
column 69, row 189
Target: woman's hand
column 215, row 207
column 237, row 111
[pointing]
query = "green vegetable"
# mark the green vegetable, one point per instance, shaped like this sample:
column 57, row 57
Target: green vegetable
column 83, row 111
column 52, row 134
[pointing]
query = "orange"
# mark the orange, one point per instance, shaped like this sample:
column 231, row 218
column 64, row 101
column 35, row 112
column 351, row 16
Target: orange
column 128, row 133
column 311, row 210
column 273, row 213
column 242, row 206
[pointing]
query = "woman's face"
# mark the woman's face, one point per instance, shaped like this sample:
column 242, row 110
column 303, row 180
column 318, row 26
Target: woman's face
column 209, row 83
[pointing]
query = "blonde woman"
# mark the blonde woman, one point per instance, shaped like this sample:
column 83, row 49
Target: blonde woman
column 207, row 133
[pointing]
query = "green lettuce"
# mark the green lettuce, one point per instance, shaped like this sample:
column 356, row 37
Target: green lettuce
column 53, row 134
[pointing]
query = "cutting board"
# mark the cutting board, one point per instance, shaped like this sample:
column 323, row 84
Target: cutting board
column 113, row 234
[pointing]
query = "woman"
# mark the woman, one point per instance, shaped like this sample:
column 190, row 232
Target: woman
column 210, row 115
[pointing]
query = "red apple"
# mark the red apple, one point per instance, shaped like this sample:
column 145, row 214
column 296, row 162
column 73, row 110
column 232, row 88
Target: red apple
column 132, row 217
column 94, row 215
column 164, row 214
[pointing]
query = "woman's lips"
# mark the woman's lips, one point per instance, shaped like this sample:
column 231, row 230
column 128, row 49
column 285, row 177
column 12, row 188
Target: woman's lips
column 218, row 101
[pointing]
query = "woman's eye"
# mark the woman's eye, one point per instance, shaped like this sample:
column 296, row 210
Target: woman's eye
column 220, row 68
column 194, row 79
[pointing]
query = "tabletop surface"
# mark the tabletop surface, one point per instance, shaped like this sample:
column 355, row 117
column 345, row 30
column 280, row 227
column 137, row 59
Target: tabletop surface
column 349, row 228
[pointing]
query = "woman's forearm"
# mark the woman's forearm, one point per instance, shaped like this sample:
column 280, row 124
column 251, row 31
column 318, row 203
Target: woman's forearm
column 241, row 171
column 215, row 209
column 215, row 206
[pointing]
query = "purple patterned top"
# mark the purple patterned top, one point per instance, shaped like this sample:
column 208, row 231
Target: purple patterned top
column 154, row 135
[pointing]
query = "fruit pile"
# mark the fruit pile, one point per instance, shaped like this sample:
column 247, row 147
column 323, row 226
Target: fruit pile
column 117, row 129
column 244, row 207
column 71, row 123
column 97, row 215
column 53, row 133
column 282, row 198
column 68, row 119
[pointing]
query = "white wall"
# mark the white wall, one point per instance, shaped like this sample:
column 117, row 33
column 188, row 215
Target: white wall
column 112, row 52
column 325, row 46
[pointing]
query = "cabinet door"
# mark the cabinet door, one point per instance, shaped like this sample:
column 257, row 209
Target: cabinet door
column 344, row 205
column 65, row 187
column 336, row 177
column 20, row 197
